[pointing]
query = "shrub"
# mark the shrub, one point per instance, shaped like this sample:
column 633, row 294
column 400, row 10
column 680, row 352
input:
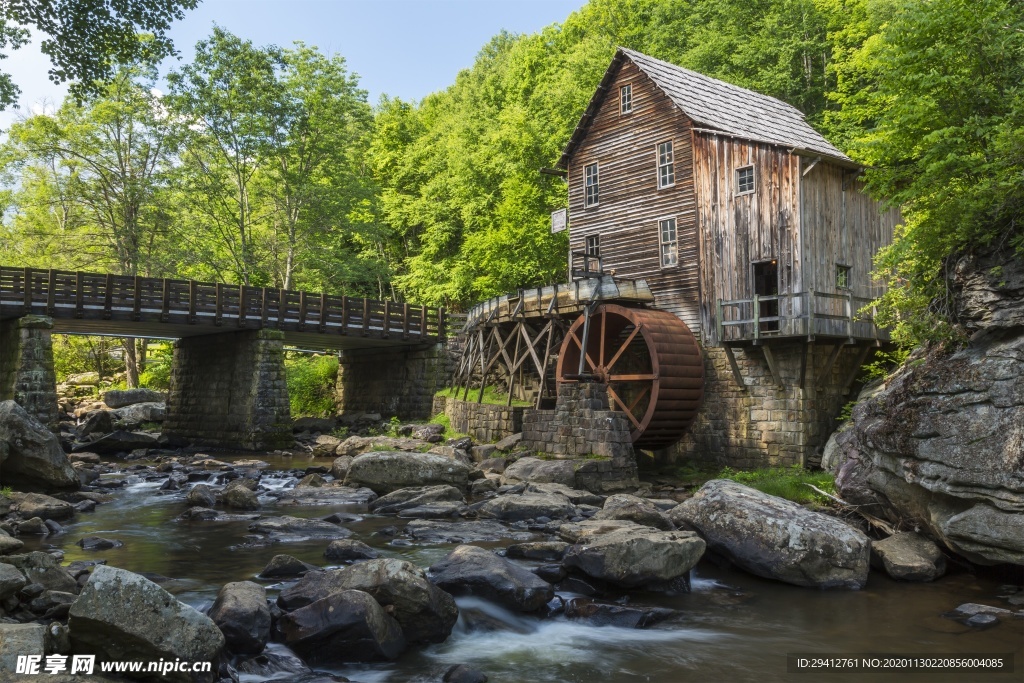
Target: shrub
column 785, row 482
column 311, row 382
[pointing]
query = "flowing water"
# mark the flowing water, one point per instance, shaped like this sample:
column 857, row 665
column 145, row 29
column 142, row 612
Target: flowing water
column 732, row 626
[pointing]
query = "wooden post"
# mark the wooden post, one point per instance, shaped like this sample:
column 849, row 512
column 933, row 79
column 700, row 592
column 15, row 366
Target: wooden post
column 386, row 333
column 405, row 320
column 366, row 317
column 51, row 292
column 718, row 322
column 263, row 307
column 303, row 307
column 242, row 305
column 282, row 308
column 137, row 304
column 827, row 370
column 323, row 312
column 423, row 322
column 192, row 292
column 79, row 294
column 849, row 314
column 344, row 315
column 757, row 319
column 772, row 366
column 108, row 296
column 442, row 333
column 219, row 307
column 735, row 368
column 812, row 301
column 165, row 312
column 27, row 287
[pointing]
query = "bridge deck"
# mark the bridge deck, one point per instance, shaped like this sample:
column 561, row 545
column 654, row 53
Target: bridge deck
column 122, row 305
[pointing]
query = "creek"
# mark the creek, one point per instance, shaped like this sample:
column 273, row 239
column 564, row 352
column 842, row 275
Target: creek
column 733, row 626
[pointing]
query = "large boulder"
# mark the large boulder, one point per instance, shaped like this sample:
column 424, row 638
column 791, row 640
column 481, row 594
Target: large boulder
column 349, row 550
column 942, row 444
column 34, row 456
column 345, row 626
column 297, row 528
column 326, row 495
column 238, row 497
column 514, row 508
column 438, row 531
column 470, row 570
column 24, row 640
column 11, row 581
column 243, row 616
column 119, row 398
column 339, row 468
column 97, row 422
column 404, row 499
column 425, row 612
column 634, row 509
column 387, row 471
column 121, row 616
column 540, row 471
column 46, row 507
column 201, row 495
column 776, row 538
column 907, row 556
column 286, row 566
column 44, row 569
column 137, row 413
column 120, row 441
column 637, row 557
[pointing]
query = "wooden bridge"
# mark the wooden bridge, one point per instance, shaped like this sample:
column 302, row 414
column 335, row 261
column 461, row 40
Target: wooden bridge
column 93, row 303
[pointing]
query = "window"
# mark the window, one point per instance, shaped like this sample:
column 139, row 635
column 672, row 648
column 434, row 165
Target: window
column 745, row 180
column 590, row 183
column 669, row 243
column 842, row 277
column 626, row 99
column 666, row 167
column 593, row 245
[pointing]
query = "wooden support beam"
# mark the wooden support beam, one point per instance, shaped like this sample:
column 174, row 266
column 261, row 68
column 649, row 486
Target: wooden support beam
column 165, row 312
column 282, row 307
column 264, row 302
column 344, row 315
column 219, row 309
column 137, row 299
column 322, row 327
column 192, row 292
column 405, row 321
column 827, row 370
column 735, row 368
column 303, row 310
column 243, row 304
column 51, row 291
column 108, row 295
column 26, row 285
column 772, row 366
column 366, row 317
column 862, row 355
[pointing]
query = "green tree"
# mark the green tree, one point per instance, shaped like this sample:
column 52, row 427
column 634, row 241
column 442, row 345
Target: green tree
column 935, row 106
column 87, row 39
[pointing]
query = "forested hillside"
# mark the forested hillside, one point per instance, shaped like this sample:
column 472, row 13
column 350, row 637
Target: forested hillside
column 266, row 165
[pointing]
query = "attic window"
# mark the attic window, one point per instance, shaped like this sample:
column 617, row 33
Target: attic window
column 590, row 184
column 666, row 165
column 745, row 180
column 626, row 99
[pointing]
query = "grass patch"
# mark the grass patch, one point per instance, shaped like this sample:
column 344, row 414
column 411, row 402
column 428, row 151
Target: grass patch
column 491, row 397
column 785, row 482
column 446, row 422
column 311, row 382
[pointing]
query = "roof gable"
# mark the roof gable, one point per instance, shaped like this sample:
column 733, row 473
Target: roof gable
column 713, row 104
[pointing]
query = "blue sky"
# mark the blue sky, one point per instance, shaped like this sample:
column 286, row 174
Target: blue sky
column 407, row 48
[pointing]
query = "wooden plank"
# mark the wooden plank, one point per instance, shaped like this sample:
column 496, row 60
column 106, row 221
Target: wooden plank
column 423, row 322
column 192, row 292
column 386, row 327
column 303, row 309
column 243, row 305
column 282, row 308
column 165, row 311
column 862, row 355
column 51, row 291
column 323, row 313
column 405, row 321
column 366, row 317
column 827, row 370
column 264, row 305
column 79, row 294
column 344, row 315
column 219, row 311
column 108, row 296
column 735, row 367
column 137, row 299
column 27, row 287
column 772, row 365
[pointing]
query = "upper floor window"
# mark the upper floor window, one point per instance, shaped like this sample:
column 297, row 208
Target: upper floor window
column 593, row 245
column 590, row 184
column 745, row 180
column 669, row 243
column 843, row 277
column 666, row 165
column 626, row 99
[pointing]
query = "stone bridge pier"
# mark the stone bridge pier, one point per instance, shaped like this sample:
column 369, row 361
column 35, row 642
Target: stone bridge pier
column 26, row 366
column 392, row 381
column 229, row 390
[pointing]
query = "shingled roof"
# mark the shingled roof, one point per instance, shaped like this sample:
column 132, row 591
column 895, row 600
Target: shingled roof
column 715, row 105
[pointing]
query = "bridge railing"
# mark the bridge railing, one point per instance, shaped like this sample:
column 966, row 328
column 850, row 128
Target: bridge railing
column 106, row 296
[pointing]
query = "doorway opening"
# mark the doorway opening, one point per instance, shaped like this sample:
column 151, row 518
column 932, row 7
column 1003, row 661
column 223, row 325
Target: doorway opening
column 766, row 283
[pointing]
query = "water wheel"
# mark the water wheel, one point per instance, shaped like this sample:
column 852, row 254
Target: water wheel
column 650, row 362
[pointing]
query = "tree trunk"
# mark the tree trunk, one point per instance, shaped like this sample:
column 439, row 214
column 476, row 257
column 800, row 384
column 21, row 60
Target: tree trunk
column 131, row 362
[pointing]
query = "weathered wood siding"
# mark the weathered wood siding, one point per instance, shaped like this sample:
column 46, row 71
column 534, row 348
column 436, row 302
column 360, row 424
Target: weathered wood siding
column 842, row 225
column 739, row 230
column 630, row 204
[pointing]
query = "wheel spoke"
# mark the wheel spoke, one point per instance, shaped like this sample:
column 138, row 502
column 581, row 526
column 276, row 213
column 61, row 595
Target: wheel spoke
column 625, row 409
column 633, row 378
column 604, row 330
column 639, row 396
column 622, row 349
column 590, row 361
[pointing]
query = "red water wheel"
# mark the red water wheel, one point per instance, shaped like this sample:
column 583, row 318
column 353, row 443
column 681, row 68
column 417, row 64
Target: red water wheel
column 650, row 362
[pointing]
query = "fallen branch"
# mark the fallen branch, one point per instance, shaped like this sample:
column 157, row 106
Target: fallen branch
column 869, row 518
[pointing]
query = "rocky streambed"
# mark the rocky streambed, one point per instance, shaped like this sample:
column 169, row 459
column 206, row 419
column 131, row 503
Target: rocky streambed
column 399, row 565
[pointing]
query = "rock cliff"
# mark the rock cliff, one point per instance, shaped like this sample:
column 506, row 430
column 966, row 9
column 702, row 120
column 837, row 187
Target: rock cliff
column 941, row 445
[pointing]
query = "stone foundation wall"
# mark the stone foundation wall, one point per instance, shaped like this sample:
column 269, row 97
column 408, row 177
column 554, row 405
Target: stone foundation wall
column 26, row 366
column 392, row 382
column 230, row 390
column 766, row 425
column 583, row 426
column 482, row 421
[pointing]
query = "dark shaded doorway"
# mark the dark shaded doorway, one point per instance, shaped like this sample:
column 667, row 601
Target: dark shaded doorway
column 766, row 283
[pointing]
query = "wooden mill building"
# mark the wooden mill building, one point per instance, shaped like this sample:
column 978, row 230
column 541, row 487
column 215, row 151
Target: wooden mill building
column 750, row 227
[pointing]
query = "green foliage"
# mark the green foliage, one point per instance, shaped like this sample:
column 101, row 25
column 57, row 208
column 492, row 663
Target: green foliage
column 74, row 354
column 446, row 422
column 935, row 104
column 159, row 360
column 311, row 382
column 785, row 482
column 492, row 396
column 86, row 39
